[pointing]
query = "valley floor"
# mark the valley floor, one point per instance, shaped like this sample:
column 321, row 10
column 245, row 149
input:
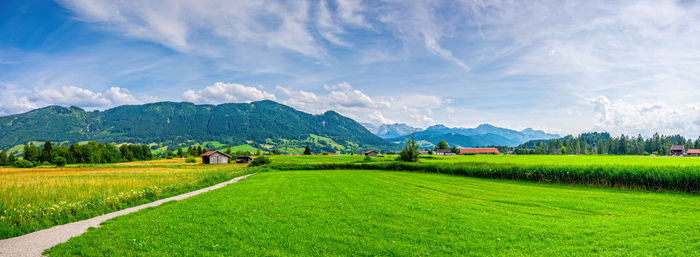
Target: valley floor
column 353, row 212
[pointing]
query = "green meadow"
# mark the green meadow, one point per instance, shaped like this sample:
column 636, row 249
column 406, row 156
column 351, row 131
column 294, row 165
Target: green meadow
column 385, row 213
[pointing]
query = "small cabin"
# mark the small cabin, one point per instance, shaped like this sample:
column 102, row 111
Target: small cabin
column 215, row 157
column 677, row 150
column 372, row 153
column 244, row 159
column 442, row 151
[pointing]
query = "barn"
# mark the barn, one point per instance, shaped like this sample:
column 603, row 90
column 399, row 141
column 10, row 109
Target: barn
column 372, row 153
column 693, row 152
column 244, row 159
column 214, row 157
column 677, row 150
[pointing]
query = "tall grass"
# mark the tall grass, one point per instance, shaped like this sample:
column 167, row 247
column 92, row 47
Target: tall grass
column 679, row 179
column 39, row 198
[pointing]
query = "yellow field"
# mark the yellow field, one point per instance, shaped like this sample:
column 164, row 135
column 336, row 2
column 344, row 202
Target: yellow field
column 32, row 199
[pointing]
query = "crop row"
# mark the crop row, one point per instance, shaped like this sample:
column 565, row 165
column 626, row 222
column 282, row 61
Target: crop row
column 678, row 179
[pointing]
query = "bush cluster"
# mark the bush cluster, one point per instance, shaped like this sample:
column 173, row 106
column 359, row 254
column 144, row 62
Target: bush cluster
column 259, row 161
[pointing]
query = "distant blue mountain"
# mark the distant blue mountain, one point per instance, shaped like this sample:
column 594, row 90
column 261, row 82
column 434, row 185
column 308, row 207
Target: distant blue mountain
column 482, row 135
column 390, row 130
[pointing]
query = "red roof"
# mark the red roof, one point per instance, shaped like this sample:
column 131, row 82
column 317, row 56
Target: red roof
column 215, row 151
column 369, row 151
column 694, row 151
column 478, row 151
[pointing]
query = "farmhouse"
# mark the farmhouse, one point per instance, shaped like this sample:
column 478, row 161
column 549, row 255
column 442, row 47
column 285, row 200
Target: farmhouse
column 243, row 159
column 693, row 152
column 442, row 151
column 424, row 152
column 677, row 150
column 372, row 153
column 479, row 151
column 214, row 157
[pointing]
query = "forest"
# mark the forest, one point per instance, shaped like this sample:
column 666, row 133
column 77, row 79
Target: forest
column 603, row 143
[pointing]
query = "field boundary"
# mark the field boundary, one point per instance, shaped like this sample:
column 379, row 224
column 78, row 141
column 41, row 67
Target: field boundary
column 35, row 243
column 676, row 179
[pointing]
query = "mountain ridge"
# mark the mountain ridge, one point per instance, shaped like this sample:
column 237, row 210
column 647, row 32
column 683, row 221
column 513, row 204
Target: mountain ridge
column 268, row 124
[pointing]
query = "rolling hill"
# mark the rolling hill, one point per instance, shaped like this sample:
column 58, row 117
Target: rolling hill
column 264, row 124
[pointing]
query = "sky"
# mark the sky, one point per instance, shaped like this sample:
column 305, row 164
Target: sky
column 562, row 66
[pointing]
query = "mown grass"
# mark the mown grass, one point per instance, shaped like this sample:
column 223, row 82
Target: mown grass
column 570, row 160
column 38, row 198
column 380, row 213
column 679, row 179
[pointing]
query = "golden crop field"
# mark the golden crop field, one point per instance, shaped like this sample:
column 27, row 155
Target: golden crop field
column 33, row 199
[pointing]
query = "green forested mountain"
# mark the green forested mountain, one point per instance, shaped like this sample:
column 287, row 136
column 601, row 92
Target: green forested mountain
column 264, row 124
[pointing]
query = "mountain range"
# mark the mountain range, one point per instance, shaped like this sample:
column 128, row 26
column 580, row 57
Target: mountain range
column 391, row 130
column 482, row 135
column 266, row 125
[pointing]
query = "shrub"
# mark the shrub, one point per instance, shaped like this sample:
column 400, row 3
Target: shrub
column 259, row 161
column 23, row 164
column 367, row 159
column 45, row 163
column 60, row 161
column 410, row 151
column 190, row 159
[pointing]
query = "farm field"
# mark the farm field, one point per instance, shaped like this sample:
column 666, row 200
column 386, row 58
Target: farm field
column 570, row 160
column 37, row 198
column 365, row 212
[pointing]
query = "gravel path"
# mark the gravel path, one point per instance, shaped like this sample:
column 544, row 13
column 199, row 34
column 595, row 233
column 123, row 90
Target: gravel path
column 33, row 244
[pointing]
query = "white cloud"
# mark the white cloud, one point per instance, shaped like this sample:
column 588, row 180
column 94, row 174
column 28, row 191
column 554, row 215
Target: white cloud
column 72, row 95
column 343, row 98
column 327, row 27
column 21, row 104
column 226, row 93
column 646, row 118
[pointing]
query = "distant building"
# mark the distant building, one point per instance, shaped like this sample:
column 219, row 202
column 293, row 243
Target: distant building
column 372, row 153
column 677, row 150
column 424, row 152
column 442, row 152
column 244, row 159
column 693, row 152
column 491, row 150
column 214, row 157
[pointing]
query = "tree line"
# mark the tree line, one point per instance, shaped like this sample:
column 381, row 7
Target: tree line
column 603, row 143
column 92, row 152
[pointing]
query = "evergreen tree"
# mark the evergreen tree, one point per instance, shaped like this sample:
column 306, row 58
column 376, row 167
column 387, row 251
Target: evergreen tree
column 31, row 153
column 4, row 159
column 410, row 151
column 307, row 150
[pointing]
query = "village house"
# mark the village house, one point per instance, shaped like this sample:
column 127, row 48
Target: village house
column 677, row 150
column 214, row 157
column 442, row 152
column 424, row 152
column 372, row 153
column 490, row 150
column 693, row 152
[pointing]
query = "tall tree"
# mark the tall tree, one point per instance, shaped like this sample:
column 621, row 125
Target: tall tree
column 442, row 145
column 307, row 150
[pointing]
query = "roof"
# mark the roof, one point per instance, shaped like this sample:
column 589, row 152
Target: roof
column 478, row 150
column 677, row 148
column 443, row 151
column 369, row 151
column 215, row 151
column 694, row 151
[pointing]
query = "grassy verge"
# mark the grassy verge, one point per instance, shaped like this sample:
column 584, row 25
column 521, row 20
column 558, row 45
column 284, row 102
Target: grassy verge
column 679, row 179
column 34, row 199
column 379, row 213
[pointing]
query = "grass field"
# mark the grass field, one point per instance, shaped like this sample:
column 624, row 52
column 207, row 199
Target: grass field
column 570, row 160
column 370, row 213
column 37, row 198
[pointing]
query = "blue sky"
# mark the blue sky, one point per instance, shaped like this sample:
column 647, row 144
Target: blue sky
column 562, row 66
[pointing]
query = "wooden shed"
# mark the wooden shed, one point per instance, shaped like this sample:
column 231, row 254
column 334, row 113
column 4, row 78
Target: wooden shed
column 693, row 152
column 372, row 153
column 244, row 159
column 677, row 150
column 214, row 157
